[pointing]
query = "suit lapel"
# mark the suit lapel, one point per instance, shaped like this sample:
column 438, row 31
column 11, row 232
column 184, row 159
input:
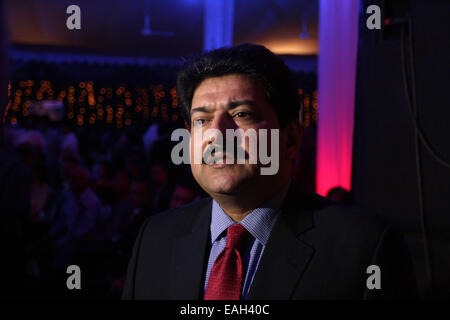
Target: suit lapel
column 188, row 257
column 285, row 257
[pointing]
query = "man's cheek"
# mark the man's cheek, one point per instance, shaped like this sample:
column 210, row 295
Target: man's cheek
column 195, row 149
column 196, row 169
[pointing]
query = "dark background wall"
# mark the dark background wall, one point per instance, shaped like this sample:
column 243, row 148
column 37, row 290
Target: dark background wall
column 389, row 176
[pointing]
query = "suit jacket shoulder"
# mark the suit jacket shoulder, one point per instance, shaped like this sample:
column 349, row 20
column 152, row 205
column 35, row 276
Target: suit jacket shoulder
column 176, row 221
column 325, row 249
column 168, row 254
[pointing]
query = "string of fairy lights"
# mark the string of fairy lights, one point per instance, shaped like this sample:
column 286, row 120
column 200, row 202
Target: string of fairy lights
column 88, row 103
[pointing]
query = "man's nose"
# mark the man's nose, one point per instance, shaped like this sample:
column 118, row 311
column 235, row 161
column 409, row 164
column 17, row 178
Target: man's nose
column 222, row 122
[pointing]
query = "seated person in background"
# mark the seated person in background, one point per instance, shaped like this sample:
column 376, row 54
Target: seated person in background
column 161, row 189
column 103, row 184
column 41, row 194
column 184, row 192
column 118, row 213
column 107, row 258
column 123, row 224
column 140, row 210
column 340, row 195
column 79, row 209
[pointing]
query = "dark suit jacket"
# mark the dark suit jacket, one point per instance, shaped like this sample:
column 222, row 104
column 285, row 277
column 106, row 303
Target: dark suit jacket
column 317, row 250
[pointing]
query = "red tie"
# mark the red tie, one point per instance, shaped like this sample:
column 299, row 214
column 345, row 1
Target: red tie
column 226, row 278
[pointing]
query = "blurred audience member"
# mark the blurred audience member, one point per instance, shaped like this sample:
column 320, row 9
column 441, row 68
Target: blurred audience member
column 69, row 141
column 161, row 189
column 68, row 161
column 149, row 138
column 41, row 194
column 340, row 195
column 120, row 211
column 183, row 193
column 121, row 185
column 103, row 183
column 79, row 209
column 140, row 198
column 135, row 163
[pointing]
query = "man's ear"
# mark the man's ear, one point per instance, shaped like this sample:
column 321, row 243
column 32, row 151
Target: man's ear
column 294, row 136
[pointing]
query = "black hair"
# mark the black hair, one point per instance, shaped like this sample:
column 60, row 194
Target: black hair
column 254, row 61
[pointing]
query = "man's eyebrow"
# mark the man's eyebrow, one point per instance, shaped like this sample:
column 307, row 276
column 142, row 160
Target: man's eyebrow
column 200, row 109
column 229, row 106
column 234, row 104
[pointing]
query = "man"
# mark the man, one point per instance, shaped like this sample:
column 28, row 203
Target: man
column 161, row 188
column 140, row 210
column 258, row 237
column 78, row 211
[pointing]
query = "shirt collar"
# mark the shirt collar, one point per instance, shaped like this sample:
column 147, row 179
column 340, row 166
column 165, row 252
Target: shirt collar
column 259, row 222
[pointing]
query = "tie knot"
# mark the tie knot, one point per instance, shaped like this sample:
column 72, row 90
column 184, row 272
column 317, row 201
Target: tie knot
column 236, row 236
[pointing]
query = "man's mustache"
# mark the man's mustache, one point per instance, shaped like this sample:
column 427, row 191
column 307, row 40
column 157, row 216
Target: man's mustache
column 214, row 152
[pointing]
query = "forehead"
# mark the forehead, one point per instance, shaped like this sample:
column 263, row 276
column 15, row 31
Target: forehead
column 220, row 90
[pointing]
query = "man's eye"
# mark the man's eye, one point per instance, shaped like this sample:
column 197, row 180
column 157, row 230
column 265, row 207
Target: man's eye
column 241, row 114
column 198, row 122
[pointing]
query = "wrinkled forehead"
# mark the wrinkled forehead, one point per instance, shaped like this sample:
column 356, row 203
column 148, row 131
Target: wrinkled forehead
column 218, row 91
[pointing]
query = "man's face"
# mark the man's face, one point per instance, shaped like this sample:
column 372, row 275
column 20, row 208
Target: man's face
column 229, row 102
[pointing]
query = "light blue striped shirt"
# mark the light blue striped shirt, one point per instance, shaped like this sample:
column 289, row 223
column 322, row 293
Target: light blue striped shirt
column 258, row 223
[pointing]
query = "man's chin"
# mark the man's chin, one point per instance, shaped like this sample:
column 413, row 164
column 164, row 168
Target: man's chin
column 229, row 180
column 225, row 189
column 224, row 184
